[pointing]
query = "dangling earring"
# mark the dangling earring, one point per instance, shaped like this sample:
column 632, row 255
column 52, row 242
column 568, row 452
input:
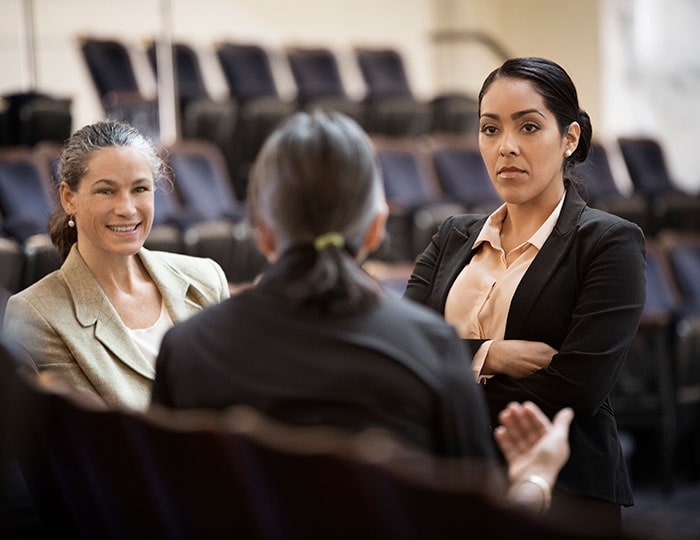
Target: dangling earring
column 71, row 223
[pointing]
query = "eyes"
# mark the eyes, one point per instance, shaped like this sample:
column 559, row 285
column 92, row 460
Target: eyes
column 111, row 191
column 493, row 129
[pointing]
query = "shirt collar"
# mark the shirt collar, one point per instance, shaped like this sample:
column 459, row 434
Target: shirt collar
column 491, row 232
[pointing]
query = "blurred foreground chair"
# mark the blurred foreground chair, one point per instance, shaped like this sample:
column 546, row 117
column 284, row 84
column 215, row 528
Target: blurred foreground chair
column 114, row 474
column 252, row 86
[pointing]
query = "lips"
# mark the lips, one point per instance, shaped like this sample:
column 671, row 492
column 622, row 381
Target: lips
column 122, row 228
column 509, row 170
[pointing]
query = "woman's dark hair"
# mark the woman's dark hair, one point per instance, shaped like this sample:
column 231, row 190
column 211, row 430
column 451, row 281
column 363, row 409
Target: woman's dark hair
column 317, row 176
column 78, row 150
column 559, row 94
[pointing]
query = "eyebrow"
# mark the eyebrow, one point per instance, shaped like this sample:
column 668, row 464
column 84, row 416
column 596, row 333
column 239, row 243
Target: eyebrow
column 114, row 182
column 515, row 115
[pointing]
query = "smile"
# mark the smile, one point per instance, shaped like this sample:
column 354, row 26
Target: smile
column 123, row 228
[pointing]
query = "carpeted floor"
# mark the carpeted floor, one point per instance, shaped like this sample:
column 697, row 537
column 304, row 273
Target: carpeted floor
column 660, row 516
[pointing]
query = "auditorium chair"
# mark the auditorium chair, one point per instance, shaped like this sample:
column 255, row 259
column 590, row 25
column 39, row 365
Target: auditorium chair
column 682, row 250
column 644, row 400
column 112, row 474
column 390, row 106
column 111, row 70
column 393, row 110
column 200, row 116
column 33, row 117
column 602, row 191
column 462, row 174
column 416, row 203
column 11, row 262
column 251, row 84
column 671, row 207
column 319, row 83
column 25, row 204
column 213, row 221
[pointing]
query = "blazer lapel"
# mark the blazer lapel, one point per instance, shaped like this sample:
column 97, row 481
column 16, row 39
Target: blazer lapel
column 545, row 263
column 93, row 309
column 179, row 294
column 458, row 251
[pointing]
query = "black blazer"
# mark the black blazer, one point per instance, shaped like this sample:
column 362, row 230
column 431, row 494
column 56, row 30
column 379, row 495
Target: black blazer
column 583, row 295
column 396, row 366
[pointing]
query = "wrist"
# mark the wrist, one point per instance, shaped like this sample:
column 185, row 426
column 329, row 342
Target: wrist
column 532, row 482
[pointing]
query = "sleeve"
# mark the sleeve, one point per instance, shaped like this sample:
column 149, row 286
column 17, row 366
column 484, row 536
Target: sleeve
column 224, row 288
column 465, row 423
column 28, row 326
column 604, row 322
column 160, row 394
column 420, row 283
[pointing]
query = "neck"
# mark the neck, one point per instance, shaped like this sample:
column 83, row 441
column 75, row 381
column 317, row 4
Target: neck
column 115, row 273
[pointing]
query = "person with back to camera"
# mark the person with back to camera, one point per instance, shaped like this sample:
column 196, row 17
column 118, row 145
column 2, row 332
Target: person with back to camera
column 99, row 319
column 547, row 291
column 316, row 341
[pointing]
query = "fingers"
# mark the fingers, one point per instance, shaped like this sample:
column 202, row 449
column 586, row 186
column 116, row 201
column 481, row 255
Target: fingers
column 523, row 425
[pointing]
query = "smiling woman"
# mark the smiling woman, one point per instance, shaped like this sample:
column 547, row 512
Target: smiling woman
column 100, row 318
column 546, row 291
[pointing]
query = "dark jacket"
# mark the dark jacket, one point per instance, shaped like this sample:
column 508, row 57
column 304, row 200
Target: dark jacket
column 396, row 366
column 583, row 295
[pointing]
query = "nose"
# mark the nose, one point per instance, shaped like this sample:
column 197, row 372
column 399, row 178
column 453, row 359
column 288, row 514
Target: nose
column 508, row 146
column 125, row 205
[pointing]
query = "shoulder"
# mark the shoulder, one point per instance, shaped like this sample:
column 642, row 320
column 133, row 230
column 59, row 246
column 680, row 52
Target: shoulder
column 48, row 288
column 604, row 223
column 198, row 270
column 462, row 222
column 410, row 322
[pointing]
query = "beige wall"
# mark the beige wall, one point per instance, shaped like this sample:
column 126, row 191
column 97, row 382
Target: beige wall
column 340, row 24
column 538, row 27
column 566, row 31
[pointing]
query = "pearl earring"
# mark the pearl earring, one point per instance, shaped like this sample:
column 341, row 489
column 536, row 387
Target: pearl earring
column 568, row 153
column 71, row 223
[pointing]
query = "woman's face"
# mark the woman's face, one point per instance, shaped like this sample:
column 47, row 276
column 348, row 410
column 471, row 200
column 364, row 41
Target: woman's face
column 521, row 145
column 113, row 205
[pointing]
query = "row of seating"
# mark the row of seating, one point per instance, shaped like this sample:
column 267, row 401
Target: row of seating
column 94, row 473
column 428, row 178
column 658, row 392
column 199, row 216
column 240, row 125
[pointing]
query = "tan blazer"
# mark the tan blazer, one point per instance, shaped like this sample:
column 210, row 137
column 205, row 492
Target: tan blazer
column 68, row 325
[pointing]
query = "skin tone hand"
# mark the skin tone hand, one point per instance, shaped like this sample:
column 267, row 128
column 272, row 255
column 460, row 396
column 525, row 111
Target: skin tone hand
column 532, row 444
column 517, row 358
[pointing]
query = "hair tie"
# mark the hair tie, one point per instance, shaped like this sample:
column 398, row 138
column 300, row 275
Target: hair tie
column 329, row 239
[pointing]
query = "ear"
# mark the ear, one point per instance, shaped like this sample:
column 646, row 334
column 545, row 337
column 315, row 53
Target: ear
column 265, row 240
column 67, row 197
column 573, row 133
column 375, row 233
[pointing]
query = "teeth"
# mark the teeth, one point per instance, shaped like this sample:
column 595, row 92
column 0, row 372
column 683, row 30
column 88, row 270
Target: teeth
column 123, row 229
